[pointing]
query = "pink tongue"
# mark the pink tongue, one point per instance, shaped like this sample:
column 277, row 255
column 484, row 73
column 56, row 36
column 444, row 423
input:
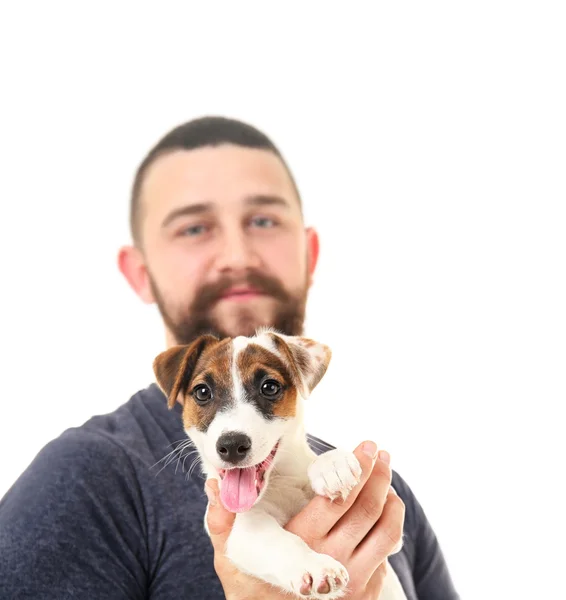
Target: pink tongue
column 238, row 491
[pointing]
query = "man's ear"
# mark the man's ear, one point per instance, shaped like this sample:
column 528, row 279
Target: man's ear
column 313, row 249
column 307, row 359
column 174, row 367
column 132, row 266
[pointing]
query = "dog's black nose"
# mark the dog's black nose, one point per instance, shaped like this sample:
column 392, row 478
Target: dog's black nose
column 233, row 447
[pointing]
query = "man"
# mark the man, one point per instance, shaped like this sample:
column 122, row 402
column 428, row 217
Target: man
column 220, row 245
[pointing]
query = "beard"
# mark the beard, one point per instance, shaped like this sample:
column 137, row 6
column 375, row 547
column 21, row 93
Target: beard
column 287, row 317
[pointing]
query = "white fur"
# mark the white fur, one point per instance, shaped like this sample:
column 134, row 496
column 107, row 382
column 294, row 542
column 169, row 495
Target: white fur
column 258, row 544
column 334, row 474
column 238, row 344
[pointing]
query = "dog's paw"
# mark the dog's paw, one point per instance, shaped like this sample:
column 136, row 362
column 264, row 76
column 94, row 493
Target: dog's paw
column 334, row 474
column 323, row 579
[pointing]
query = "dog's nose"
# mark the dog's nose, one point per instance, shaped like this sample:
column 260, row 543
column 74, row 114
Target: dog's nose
column 233, row 447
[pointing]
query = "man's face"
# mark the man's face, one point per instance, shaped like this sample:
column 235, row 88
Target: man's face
column 224, row 245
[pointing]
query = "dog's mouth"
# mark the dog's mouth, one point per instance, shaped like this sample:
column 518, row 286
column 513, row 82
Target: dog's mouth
column 241, row 487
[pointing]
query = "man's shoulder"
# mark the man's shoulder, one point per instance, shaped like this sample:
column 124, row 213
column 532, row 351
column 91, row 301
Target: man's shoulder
column 80, row 447
column 102, row 440
column 139, row 431
column 69, row 467
column 76, row 519
column 91, row 455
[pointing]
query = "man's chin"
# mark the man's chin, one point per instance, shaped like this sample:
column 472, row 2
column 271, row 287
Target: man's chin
column 242, row 318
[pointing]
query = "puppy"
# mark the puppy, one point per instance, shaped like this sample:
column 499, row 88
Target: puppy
column 243, row 409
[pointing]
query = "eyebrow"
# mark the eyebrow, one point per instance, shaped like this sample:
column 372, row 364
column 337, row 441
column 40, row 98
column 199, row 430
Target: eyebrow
column 203, row 207
column 189, row 209
column 266, row 200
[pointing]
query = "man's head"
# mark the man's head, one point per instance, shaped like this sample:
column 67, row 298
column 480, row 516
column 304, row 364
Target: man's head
column 219, row 239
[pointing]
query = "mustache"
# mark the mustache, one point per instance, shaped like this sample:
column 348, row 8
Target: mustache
column 265, row 284
column 186, row 326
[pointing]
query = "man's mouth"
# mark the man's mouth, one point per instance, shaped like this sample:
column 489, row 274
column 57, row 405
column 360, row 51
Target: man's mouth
column 241, row 293
column 241, row 487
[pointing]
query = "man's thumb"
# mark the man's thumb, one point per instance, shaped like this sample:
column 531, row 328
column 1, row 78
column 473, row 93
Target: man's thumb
column 219, row 519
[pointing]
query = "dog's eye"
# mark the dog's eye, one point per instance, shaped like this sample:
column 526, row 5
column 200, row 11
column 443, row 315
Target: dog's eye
column 270, row 388
column 202, row 393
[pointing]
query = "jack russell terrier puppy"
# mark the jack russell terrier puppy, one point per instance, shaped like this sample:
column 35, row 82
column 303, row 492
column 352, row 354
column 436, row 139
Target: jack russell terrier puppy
column 243, row 409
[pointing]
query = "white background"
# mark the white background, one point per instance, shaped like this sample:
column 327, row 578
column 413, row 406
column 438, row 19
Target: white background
column 429, row 143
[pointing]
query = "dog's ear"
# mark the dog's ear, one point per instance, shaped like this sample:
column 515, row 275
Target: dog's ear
column 307, row 359
column 174, row 368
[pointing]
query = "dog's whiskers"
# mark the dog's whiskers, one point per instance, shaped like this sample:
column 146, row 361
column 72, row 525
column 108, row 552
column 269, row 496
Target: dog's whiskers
column 185, row 439
column 187, row 456
column 170, row 457
column 196, row 461
column 184, row 457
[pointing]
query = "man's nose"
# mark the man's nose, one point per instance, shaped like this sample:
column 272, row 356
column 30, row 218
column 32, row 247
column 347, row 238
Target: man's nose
column 237, row 253
column 233, row 446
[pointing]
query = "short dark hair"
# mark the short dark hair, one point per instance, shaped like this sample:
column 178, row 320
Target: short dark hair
column 198, row 133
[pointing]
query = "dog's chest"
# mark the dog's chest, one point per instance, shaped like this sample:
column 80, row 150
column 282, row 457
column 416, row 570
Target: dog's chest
column 285, row 497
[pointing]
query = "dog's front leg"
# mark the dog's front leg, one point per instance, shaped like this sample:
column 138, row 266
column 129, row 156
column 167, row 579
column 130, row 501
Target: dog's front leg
column 259, row 546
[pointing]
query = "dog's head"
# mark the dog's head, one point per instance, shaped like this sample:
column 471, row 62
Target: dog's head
column 242, row 398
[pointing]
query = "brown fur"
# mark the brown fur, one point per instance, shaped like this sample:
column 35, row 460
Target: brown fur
column 255, row 357
column 174, row 367
column 301, row 362
column 212, row 369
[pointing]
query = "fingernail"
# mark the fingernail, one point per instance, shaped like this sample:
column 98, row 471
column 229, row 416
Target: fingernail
column 384, row 456
column 370, row 449
column 392, row 491
column 210, row 494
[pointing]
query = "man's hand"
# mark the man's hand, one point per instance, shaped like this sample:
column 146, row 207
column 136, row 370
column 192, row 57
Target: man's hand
column 360, row 532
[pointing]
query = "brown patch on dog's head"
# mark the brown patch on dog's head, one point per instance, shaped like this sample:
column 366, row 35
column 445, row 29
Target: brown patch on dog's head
column 174, row 367
column 308, row 360
column 180, row 369
column 214, row 371
column 258, row 366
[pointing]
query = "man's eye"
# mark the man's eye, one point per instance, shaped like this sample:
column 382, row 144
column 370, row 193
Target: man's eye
column 193, row 230
column 263, row 222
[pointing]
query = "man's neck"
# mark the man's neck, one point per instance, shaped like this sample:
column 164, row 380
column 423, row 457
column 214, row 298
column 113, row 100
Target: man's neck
column 170, row 341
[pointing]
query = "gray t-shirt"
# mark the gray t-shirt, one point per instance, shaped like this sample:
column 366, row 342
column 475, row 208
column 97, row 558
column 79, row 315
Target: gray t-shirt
column 94, row 517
